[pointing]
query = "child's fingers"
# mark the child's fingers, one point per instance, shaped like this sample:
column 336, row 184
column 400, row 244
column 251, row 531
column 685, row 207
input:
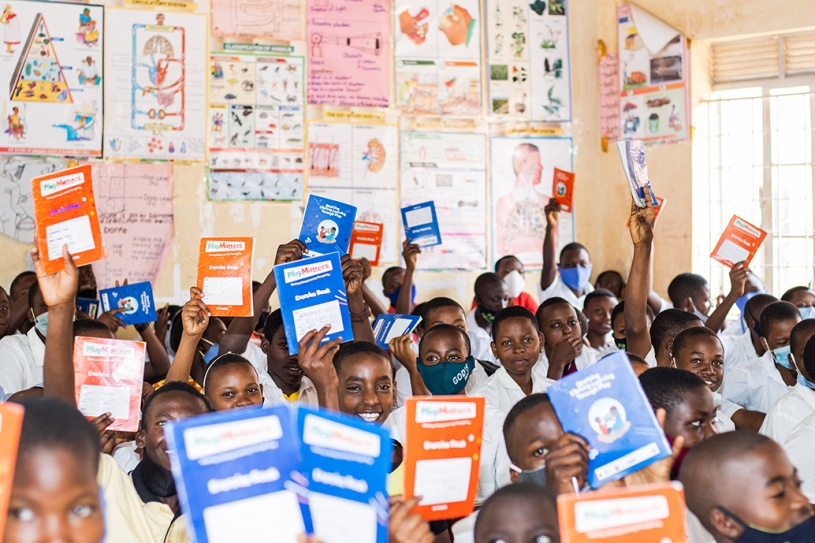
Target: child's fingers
column 196, row 293
column 328, row 348
column 67, row 259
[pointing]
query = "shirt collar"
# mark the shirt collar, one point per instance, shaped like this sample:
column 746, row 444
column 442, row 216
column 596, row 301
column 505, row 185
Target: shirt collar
column 37, row 347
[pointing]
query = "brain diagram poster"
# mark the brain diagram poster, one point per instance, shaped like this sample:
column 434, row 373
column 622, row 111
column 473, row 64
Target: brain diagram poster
column 51, row 79
column 156, row 92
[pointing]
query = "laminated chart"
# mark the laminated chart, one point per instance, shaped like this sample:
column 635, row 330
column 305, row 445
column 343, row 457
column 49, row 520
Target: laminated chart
column 256, row 127
column 157, row 90
column 528, row 52
column 357, row 164
column 271, row 19
column 438, row 57
column 51, row 75
column 449, row 169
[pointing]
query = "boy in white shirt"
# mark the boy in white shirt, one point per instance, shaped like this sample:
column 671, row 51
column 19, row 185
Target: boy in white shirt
column 22, row 355
column 570, row 277
column 803, row 298
column 746, row 346
column 491, row 296
column 563, row 340
column 665, row 328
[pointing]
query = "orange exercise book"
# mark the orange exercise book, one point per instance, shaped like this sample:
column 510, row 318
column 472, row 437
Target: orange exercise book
column 225, row 275
column 65, row 213
column 739, row 242
column 11, row 422
column 366, row 241
column 442, row 453
column 640, row 513
column 563, row 189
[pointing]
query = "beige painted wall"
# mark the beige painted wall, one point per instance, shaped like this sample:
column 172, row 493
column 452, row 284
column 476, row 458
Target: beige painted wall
column 601, row 196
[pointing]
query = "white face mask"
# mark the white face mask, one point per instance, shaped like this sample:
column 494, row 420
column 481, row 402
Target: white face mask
column 515, row 282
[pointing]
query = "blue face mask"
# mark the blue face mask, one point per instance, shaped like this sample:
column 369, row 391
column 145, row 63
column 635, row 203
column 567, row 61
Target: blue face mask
column 446, row 378
column 41, row 324
column 807, row 312
column 394, row 296
column 782, row 357
column 743, row 299
column 575, row 278
column 210, row 354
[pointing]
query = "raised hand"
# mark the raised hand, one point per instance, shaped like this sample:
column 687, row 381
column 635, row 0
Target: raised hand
column 195, row 315
column 552, row 211
column 568, row 460
column 739, row 275
column 317, row 360
column 289, row 252
column 410, row 252
column 641, row 225
column 366, row 268
column 111, row 320
column 407, row 527
column 59, row 288
column 351, row 274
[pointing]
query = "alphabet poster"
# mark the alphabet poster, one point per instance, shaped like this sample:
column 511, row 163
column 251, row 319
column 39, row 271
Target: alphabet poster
column 51, row 79
column 156, row 92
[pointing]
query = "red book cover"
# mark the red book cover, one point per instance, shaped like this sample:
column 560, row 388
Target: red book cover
column 366, row 241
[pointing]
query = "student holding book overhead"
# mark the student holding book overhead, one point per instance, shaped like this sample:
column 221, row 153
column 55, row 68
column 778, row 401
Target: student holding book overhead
column 568, row 278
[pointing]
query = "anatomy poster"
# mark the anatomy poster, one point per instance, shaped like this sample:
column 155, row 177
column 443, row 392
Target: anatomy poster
column 51, row 79
column 653, row 78
column 16, row 203
column 348, row 45
column 357, row 164
column 438, row 52
column 528, row 51
column 256, row 127
column 450, row 169
column 270, row 19
column 135, row 204
column 522, row 169
column 156, row 89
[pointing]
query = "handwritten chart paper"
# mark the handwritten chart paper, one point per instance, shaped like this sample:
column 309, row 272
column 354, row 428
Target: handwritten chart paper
column 609, row 98
column 348, row 52
column 272, row 19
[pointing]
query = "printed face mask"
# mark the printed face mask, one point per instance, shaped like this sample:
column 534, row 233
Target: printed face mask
column 620, row 343
column 515, row 283
column 446, row 378
column 575, row 278
column 487, row 315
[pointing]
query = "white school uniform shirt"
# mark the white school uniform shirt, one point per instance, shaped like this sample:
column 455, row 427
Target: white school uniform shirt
column 21, row 360
column 651, row 358
column 587, row 358
column 480, row 340
column 126, row 456
column 558, row 289
column 696, row 531
column 257, row 357
column 799, row 449
column 788, row 412
column 464, row 529
column 502, row 392
column 738, row 350
column 273, row 395
column 756, row 385
column 405, row 391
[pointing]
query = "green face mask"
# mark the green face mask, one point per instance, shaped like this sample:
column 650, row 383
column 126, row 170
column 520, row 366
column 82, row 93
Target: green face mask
column 446, row 378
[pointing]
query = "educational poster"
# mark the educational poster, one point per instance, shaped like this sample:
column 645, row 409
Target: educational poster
column 256, row 127
column 450, row 170
column 357, row 164
column 522, row 169
column 529, row 67
column 348, row 45
column 156, row 90
column 609, row 98
column 135, row 204
column 269, row 19
column 51, row 79
column 653, row 78
column 16, row 203
column 438, row 57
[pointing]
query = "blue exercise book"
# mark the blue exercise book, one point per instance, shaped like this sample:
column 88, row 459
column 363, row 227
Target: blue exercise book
column 137, row 299
column 421, row 224
column 238, row 475
column 327, row 225
column 389, row 326
column 346, row 461
column 606, row 405
column 632, row 156
column 88, row 306
column 312, row 294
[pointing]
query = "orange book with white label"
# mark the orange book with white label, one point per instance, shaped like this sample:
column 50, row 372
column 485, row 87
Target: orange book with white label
column 442, row 452
column 739, row 243
column 366, row 241
column 108, row 375
column 11, row 422
column 563, row 189
column 640, row 513
column 65, row 214
column 225, row 275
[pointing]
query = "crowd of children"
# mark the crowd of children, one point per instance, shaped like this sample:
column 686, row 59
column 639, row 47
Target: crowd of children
column 736, row 401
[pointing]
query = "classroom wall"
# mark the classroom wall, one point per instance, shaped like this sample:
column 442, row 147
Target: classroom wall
column 602, row 204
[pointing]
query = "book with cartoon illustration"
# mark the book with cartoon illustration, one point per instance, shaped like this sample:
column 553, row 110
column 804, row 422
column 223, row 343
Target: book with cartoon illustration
column 606, row 405
column 327, row 225
column 136, row 300
column 632, row 156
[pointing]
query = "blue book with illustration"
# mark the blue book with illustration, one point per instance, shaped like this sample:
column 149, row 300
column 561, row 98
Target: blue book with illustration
column 606, row 405
column 327, row 225
column 391, row 325
column 312, row 294
column 421, row 224
column 238, row 475
column 632, row 156
column 346, row 461
column 88, row 306
column 136, row 299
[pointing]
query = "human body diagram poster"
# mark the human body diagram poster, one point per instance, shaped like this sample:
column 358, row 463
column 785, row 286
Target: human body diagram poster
column 156, row 92
column 449, row 169
column 357, row 164
column 51, row 79
column 348, row 45
column 256, row 127
column 270, row 19
column 438, row 57
column 522, row 169
column 528, row 49
column 16, row 202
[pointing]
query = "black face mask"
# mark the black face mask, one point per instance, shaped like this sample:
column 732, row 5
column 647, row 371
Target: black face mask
column 153, row 481
column 802, row 533
column 620, row 343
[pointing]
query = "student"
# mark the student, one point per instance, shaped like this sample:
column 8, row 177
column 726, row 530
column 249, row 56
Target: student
column 744, row 489
column 18, row 294
column 491, row 296
column 803, row 298
column 741, row 349
column 376, row 305
column 519, row 513
column 689, row 292
column 511, row 270
column 755, row 386
column 5, row 314
column 231, row 382
column 611, row 281
column 397, row 283
column 563, row 351
column 699, row 351
column 752, row 288
column 597, row 308
column 569, row 278
column 55, row 496
column 665, row 328
column 618, row 332
column 797, row 404
column 635, row 312
column 22, row 355
column 286, row 381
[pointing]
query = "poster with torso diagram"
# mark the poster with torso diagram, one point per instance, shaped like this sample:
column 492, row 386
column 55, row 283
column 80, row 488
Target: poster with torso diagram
column 438, row 57
column 51, row 79
column 156, row 91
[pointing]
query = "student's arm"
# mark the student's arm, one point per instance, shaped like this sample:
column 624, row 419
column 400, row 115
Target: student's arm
column 549, row 271
column 744, row 419
column 162, row 324
column 377, row 308
column 194, row 319
column 360, row 314
column 739, row 274
column 407, row 527
column 159, row 362
column 317, row 363
column 58, row 293
column 240, row 330
column 639, row 280
column 400, row 348
column 568, row 459
column 410, row 252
